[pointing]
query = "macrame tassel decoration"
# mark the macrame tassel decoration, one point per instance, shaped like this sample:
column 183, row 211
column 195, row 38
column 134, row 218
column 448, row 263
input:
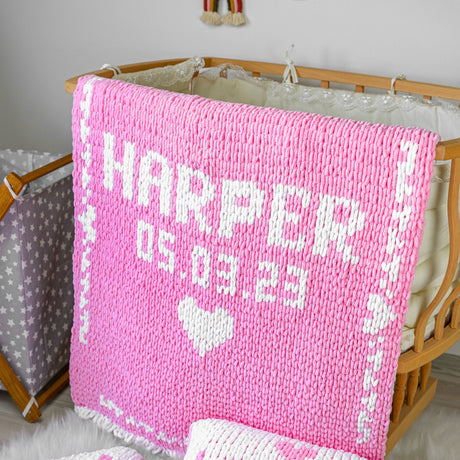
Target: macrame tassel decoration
column 235, row 16
column 210, row 13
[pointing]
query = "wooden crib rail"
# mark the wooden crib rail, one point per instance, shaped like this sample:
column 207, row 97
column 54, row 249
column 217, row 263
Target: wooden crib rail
column 448, row 150
column 325, row 76
column 358, row 80
column 445, row 150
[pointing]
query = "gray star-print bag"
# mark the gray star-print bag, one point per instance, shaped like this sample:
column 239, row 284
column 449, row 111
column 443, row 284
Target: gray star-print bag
column 36, row 290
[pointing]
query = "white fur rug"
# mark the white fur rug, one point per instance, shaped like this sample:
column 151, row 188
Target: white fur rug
column 62, row 436
column 434, row 436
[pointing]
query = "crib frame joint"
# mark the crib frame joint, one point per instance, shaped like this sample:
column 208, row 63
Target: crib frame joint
column 448, row 150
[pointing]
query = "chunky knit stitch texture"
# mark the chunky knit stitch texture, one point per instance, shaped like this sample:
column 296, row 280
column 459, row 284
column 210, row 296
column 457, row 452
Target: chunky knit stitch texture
column 240, row 263
column 213, row 439
column 114, row 453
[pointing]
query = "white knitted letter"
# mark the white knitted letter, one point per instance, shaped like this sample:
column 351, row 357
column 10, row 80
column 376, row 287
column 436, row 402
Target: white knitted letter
column 279, row 216
column 144, row 250
column 327, row 229
column 201, row 277
column 188, row 200
column 261, row 295
column 110, row 165
column 230, row 276
column 164, row 181
column 232, row 213
column 300, row 288
column 162, row 249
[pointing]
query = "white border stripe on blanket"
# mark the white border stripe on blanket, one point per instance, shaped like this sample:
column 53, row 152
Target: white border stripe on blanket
column 88, row 217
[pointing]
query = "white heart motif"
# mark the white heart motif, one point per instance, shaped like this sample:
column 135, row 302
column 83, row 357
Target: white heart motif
column 207, row 330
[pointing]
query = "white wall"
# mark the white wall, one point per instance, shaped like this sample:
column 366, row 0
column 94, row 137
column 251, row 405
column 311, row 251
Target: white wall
column 44, row 42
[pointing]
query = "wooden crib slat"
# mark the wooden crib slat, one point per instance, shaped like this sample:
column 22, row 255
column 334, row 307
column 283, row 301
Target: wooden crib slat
column 409, row 414
column 441, row 318
column 412, row 386
column 359, row 89
column 399, row 396
column 455, row 323
column 424, row 374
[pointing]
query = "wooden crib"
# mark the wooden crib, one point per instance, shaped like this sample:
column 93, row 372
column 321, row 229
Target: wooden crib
column 414, row 388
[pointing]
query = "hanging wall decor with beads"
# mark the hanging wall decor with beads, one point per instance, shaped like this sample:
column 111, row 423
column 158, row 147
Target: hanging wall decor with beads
column 233, row 17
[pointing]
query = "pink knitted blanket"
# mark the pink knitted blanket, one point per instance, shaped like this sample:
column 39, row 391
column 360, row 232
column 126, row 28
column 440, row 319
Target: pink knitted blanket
column 240, row 263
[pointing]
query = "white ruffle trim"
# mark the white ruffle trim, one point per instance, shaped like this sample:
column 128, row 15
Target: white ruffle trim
column 346, row 99
column 349, row 100
column 164, row 76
